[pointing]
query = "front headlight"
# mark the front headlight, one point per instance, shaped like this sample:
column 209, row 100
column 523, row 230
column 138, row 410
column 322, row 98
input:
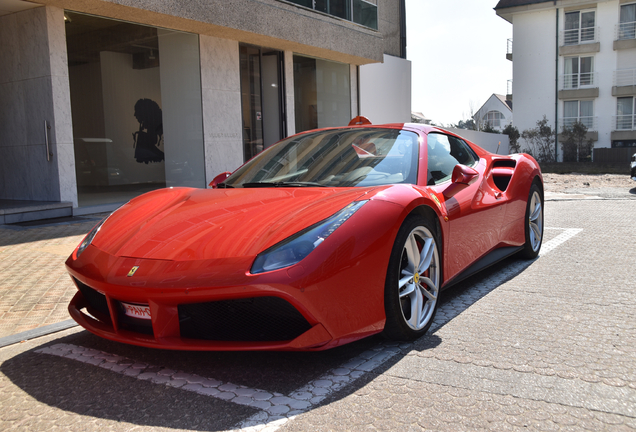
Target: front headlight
column 293, row 249
column 89, row 238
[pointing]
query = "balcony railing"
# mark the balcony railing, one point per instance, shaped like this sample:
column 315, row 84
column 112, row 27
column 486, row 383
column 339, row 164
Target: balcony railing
column 589, row 122
column 624, row 122
column 578, row 80
column 509, row 87
column 626, row 77
column 626, row 30
column 509, row 47
column 579, row 36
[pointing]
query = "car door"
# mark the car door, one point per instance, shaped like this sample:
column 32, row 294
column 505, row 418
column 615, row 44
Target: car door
column 474, row 213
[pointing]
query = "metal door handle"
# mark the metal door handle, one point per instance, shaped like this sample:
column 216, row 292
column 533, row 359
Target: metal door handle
column 49, row 155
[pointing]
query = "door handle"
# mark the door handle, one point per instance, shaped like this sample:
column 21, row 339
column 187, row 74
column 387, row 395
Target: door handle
column 47, row 128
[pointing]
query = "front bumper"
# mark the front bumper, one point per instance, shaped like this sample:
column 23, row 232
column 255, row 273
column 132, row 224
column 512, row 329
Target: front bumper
column 168, row 331
column 318, row 304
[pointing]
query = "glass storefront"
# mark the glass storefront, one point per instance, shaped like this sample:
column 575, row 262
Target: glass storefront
column 261, row 98
column 136, row 108
column 322, row 93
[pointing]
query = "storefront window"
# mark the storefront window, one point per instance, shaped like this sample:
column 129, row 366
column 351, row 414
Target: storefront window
column 365, row 12
column 136, row 108
column 322, row 93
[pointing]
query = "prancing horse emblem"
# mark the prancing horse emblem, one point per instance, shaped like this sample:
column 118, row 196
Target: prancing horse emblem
column 132, row 271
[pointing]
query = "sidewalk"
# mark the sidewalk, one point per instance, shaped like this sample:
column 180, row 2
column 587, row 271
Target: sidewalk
column 34, row 287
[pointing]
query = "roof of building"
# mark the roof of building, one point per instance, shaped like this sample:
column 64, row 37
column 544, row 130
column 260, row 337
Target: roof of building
column 420, row 116
column 504, row 100
column 512, row 3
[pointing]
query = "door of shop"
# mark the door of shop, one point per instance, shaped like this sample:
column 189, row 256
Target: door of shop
column 262, row 98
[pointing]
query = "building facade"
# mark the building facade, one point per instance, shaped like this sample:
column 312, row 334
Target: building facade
column 496, row 112
column 575, row 60
column 101, row 100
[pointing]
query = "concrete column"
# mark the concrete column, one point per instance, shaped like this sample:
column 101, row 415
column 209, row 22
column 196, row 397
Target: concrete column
column 221, row 101
column 290, row 107
column 34, row 88
column 353, row 80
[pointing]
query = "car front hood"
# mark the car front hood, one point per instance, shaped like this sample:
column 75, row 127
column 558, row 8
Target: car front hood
column 184, row 224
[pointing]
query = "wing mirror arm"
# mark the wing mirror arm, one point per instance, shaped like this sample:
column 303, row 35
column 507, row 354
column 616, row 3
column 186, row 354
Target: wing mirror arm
column 461, row 178
column 219, row 179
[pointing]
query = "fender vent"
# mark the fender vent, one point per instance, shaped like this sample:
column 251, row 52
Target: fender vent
column 502, row 170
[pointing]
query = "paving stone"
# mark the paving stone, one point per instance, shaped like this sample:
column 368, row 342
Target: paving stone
column 548, row 344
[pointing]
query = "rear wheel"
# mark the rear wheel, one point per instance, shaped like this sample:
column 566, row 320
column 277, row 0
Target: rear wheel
column 413, row 279
column 533, row 223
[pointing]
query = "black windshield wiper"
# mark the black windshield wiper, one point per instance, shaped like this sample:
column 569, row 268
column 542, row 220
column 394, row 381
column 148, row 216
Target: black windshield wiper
column 281, row 184
column 224, row 186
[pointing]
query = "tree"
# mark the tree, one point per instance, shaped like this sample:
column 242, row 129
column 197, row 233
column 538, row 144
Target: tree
column 540, row 141
column 415, row 119
column 488, row 128
column 574, row 145
column 465, row 124
column 513, row 136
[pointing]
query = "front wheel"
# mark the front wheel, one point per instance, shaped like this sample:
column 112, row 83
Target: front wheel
column 533, row 223
column 413, row 279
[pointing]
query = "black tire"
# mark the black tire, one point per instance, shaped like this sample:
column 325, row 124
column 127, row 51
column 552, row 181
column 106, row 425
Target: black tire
column 533, row 223
column 404, row 319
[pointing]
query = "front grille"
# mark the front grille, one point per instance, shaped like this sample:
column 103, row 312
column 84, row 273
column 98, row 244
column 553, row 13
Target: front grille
column 258, row 319
column 95, row 299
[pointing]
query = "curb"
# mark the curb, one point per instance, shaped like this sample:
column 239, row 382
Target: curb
column 36, row 333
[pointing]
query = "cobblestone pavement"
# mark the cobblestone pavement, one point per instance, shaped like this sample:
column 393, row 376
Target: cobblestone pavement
column 542, row 345
column 553, row 348
column 34, row 286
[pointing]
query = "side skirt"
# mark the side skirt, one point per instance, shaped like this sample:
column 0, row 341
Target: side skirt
column 492, row 258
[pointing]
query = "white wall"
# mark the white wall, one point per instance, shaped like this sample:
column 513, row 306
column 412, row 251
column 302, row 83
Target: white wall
column 385, row 91
column 534, row 35
column 494, row 143
column 605, row 63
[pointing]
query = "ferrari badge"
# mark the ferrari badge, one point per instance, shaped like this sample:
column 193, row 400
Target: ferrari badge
column 132, row 271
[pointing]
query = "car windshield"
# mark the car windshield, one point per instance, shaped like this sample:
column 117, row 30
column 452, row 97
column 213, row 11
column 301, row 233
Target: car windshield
column 334, row 158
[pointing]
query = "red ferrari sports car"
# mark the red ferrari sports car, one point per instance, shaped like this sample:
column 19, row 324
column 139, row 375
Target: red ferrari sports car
column 324, row 238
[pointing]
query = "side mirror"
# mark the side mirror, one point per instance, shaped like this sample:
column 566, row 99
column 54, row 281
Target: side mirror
column 219, row 179
column 461, row 178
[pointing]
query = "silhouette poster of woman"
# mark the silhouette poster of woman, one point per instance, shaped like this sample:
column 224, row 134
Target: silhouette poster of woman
column 146, row 141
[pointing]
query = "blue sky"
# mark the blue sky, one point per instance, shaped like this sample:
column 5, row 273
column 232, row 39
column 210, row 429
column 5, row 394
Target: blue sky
column 457, row 50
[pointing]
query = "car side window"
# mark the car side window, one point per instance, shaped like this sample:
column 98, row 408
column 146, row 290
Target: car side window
column 444, row 152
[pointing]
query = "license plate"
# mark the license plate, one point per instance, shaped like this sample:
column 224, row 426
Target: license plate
column 138, row 311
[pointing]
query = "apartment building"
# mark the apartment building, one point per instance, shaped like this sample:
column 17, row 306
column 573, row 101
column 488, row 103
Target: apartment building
column 101, row 100
column 575, row 60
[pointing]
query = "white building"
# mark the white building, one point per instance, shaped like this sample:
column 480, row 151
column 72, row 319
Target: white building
column 419, row 117
column 495, row 112
column 575, row 60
